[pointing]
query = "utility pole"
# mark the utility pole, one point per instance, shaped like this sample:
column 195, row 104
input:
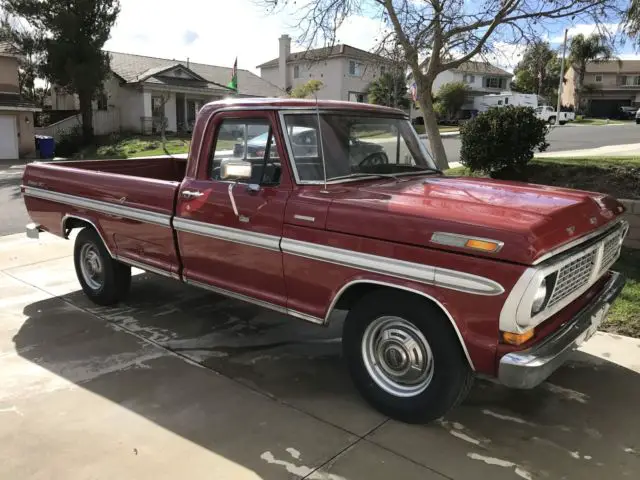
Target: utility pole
column 561, row 83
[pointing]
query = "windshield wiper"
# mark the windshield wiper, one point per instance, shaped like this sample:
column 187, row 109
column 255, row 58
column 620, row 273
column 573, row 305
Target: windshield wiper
column 423, row 170
column 363, row 174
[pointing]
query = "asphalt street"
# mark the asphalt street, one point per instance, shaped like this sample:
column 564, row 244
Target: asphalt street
column 570, row 137
column 13, row 216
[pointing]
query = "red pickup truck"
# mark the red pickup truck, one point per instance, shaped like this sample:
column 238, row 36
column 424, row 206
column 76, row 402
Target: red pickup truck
column 311, row 207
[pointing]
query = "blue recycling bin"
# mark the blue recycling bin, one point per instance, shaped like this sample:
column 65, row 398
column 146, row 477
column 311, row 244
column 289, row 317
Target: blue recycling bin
column 46, row 145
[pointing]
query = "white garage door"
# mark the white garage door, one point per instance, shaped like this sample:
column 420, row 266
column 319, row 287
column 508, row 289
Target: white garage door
column 8, row 137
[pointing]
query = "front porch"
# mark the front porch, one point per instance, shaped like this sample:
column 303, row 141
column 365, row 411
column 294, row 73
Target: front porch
column 178, row 109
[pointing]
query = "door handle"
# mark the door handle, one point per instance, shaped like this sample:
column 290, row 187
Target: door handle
column 191, row 194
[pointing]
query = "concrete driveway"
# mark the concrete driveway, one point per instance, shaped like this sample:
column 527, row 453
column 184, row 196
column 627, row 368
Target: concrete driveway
column 181, row 383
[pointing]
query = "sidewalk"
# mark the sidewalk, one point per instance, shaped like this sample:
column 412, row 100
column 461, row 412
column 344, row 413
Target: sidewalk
column 178, row 382
column 628, row 150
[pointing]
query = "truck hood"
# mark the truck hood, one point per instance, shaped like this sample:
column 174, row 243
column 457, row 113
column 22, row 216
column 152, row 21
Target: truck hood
column 531, row 220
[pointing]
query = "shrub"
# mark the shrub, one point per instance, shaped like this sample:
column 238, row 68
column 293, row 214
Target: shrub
column 70, row 142
column 501, row 141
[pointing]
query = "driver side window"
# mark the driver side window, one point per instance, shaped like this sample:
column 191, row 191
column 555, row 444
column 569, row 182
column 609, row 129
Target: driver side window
column 249, row 140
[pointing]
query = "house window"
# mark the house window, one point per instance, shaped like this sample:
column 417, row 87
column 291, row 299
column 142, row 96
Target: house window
column 102, row 101
column 354, row 68
column 469, row 78
column 358, row 97
column 495, row 82
column 296, row 71
column 598, row 78
column 157, row 106
column 630, row 80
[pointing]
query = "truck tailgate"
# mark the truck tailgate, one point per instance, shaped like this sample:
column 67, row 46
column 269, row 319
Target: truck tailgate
column 133, row 214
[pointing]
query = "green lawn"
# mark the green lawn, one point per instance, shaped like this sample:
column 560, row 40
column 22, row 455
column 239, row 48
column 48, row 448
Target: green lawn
column 624, row 316
column 616, row 176
column 143, row 146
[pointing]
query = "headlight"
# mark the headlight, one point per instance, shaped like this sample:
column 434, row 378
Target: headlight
column 539, row 297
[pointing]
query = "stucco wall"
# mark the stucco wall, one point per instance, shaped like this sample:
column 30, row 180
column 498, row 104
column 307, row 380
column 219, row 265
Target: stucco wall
column 9, row 74
column 131, row 109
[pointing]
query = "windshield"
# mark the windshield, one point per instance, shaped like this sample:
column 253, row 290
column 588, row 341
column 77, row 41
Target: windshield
column 354, row 146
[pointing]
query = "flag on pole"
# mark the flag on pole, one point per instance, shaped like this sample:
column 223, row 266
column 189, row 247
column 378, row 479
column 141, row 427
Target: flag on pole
column 414, row 92
column 233, row 84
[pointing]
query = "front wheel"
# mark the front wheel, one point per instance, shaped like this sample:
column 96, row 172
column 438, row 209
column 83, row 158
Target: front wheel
column 104, row 280
column 637, row 121
column 552, row 120
column 404, row 356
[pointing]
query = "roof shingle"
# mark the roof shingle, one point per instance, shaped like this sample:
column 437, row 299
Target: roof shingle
column 130, row 67
column 326, row 52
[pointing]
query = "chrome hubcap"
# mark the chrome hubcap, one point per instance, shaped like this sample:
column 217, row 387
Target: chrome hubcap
column 91, row 266
column 397, row 356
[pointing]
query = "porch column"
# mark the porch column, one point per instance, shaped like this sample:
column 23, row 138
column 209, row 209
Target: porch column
column 146, row 122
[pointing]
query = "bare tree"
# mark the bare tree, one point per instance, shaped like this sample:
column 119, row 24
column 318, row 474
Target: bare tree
column 439, row 35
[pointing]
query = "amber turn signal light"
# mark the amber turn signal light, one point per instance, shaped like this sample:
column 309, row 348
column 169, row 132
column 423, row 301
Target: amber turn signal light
column 517, row 338
column 482, row 245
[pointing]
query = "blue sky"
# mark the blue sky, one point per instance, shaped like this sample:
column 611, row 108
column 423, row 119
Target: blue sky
column 216, row 31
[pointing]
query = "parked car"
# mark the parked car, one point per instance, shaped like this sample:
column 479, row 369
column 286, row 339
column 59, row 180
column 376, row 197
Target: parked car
column 549, row 114
column 443, row 278
column 626, row 113
column 638, row 116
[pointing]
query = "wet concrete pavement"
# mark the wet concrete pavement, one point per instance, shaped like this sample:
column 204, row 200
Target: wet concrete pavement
column 178, row 382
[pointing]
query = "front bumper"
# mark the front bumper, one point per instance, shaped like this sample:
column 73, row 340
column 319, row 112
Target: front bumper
column 528, row 368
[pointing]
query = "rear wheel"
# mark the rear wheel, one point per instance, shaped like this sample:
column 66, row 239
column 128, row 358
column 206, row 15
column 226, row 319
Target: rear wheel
column 104, row 280
column 404, row 357
column 552, row 120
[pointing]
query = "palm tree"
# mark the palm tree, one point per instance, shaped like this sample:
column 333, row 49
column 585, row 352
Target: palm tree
column 390, row 89
column 584, row 50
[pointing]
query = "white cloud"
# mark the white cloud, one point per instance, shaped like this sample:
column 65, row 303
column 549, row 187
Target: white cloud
column 216, row 31
column 587, row 29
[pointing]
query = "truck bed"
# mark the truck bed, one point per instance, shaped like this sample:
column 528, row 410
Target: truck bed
column 133, row 200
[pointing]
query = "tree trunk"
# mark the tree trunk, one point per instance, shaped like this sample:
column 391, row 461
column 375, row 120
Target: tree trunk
column 431, row 125
column 86, row 113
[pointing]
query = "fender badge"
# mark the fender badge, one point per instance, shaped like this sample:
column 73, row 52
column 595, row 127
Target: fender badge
column 571, row 230
column 593, row 220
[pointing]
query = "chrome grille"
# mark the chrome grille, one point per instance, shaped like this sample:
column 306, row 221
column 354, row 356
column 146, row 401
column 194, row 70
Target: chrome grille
column 573, row 275
column 611, row 250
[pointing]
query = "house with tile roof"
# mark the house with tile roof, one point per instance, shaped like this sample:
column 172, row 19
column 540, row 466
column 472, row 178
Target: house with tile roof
column 142, row 91
column 16, row 114
column 608, row 86
column 344, row 71
column 481, row 78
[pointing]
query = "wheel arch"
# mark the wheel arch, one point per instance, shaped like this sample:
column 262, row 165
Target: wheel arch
column 355, row 289
column 71, row 222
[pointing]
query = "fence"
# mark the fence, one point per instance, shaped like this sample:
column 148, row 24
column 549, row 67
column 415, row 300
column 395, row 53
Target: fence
column 104, row 123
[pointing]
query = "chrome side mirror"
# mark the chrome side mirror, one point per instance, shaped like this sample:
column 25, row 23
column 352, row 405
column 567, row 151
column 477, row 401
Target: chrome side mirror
column 235, row 170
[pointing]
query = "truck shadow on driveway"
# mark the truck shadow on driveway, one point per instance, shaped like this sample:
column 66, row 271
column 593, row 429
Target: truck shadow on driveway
column 582, row 424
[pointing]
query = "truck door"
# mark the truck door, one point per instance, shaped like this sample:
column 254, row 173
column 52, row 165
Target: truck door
column 228, row 230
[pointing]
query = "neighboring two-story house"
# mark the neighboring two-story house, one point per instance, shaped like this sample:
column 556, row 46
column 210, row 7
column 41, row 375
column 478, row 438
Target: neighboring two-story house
column 607, row 86
column 481, row 78
column 16, row 114
column 344, row 71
